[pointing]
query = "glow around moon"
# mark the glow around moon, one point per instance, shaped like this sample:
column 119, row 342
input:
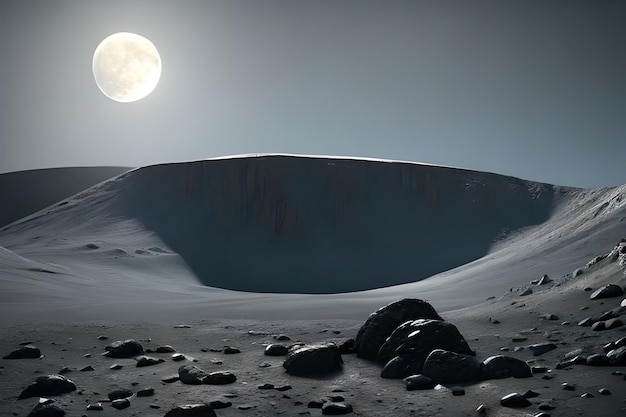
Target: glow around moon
column 126, row 67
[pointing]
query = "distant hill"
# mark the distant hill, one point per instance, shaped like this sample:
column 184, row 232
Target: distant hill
column 25, row 192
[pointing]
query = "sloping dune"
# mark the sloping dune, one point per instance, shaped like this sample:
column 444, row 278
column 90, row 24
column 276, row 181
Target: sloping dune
column 25, row 192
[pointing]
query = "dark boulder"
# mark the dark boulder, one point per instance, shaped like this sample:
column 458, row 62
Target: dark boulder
column 191, row 410
column 451, row 367
column 120, row 404
column 400, row 367
column 498, row 367
column 608, row 291
column 165, row 349
column 383, row 321
column 275, row 349
column 598, row 360
column 25, row 352
column 314, row 359
column 48, row 385
column 124, row 349
column 418, row 382
column 47, row 410
column 617, row 357
column 415, row 339
column 347, row 347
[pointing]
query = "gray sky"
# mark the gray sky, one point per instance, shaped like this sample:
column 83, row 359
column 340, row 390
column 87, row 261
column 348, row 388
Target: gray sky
column 534, row 89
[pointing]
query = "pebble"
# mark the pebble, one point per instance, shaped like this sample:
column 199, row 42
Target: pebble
column 514, row 400
column 568, row 387
column 604, row 391
column 586, row 395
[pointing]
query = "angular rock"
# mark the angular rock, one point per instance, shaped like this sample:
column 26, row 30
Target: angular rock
column 418, row 382
column 587, row 322
column 47, row 410
column 95, row 407
column 191, row 410
column 541, row 348
column 48, row 385
column 336, row 409
column 451, row 367
column 25, row 352
column 382, row 322
column 527, row 291
column 617, row 357
column 415, row 339
column 314, row 359
column 177, row 357
column 148, row 361
column 544, row 280
column 497, row 367
column 191, row 375
column 275, row 349
column 608, row 291
column 514, row 400
column 124, row 349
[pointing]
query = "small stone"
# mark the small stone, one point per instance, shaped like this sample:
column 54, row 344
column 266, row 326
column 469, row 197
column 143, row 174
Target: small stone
column 87, row 355
column 597, row 360
column 191, row 410
column 119, row 394
column 231, row 350
column 46, row 410
column 171, row 378
column 457, row 391
column 146, row 392
column 219, row 404
column 165, row 349
column 481, row 409
column 266, row 386
column 418, row 382
column 87, row 368
column 530, row 394
column 587, row 322
column 604, row 391
column 120, row 404
column 148, row 361
column 541, row 348
column 527, row 291
column 546, row 406
column 177, row 357
column 95, row 407
column 514, row 400
column 539, row 369
column 154, row 406
column 549, row 316
column 586, row 395
column 282, row 388
column 116, row 367
column 102, row 337
column 282, row 338
column 334, row 409
column 65, row 370
column 568, row 387
column 182, row 326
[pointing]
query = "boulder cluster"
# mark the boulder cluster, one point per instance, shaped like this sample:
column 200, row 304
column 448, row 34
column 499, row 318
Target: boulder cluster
column 414, row 343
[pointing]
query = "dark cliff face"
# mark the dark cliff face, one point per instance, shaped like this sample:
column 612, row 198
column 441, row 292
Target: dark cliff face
column 318, row 225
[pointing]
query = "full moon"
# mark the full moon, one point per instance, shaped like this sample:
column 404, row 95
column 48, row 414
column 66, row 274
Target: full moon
column 126, row 67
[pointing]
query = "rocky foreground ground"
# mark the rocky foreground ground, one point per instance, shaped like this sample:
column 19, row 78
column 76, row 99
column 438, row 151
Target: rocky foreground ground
column 556, row 347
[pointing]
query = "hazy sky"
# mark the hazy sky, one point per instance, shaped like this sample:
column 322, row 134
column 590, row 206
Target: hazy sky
column 534, row 89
